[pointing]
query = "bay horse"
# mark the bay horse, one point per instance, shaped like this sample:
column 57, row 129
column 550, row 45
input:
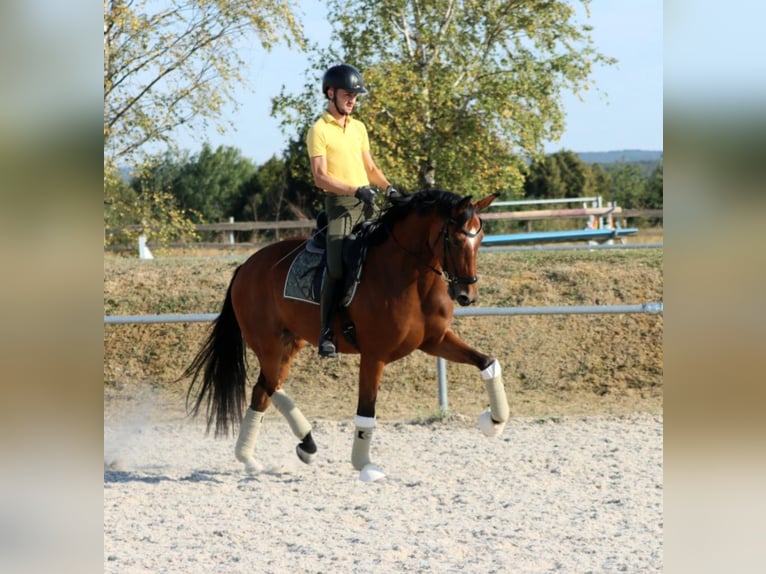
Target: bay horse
column 421, row 257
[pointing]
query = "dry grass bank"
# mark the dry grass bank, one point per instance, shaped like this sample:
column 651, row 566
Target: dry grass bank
column 553, row 365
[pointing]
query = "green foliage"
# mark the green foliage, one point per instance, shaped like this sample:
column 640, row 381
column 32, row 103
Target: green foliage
column 559, row 175
column 214, row 183
column 145, row 207
column 275, row 200
column 628, row 186
column 563, row 174
column 300, row 182
column 119, row 199
column 457, row 90
column 654, row 191
column 600, row 180
column 171, row 64
column 168, row 65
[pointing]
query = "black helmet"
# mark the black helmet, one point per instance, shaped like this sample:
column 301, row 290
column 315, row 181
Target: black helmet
column 344, row 77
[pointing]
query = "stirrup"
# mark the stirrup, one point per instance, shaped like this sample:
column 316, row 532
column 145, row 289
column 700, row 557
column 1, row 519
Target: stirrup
column 326, row 345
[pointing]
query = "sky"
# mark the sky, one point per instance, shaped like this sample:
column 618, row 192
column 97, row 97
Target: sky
column 625, row 111
column 715, row 58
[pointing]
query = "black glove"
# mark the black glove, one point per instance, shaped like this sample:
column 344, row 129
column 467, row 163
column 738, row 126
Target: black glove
column 391, row 191
column 365, row 194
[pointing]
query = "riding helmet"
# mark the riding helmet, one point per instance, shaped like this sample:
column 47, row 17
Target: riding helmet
column 343, row 77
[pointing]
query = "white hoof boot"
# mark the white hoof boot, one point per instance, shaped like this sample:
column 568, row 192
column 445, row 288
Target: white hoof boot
column 252, row 466
column 371, row 473
column 307, row 457
column 489, row 427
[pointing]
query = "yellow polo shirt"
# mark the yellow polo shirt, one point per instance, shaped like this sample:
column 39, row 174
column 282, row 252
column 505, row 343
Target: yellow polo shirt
column 342, row 147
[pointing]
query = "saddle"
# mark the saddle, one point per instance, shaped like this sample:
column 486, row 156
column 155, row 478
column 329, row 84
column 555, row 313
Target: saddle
column 306, row 273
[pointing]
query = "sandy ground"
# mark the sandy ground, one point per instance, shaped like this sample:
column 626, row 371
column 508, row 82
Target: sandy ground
column 570, row 494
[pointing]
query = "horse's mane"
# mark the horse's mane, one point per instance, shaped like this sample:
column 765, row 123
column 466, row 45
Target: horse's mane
column 421, row 202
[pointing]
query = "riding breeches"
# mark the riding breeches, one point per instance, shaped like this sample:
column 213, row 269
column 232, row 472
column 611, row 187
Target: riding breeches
column 343, row 213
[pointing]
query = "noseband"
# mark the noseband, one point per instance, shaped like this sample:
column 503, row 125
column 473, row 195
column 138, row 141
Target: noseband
column 456, row 279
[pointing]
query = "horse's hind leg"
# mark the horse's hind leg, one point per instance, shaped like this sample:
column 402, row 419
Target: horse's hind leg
column 274, row 366
column 268, row 381
column 307, row 448
column 250, row 428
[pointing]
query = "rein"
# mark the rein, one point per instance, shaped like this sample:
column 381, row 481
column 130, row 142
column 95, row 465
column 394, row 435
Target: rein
column 413, row 255
column 451, row 279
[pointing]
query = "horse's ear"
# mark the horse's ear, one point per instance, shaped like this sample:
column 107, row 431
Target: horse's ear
column 464, row 203
column 484, row 203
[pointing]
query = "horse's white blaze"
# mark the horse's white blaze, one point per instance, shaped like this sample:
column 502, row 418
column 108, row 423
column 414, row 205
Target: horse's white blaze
column 473, row 238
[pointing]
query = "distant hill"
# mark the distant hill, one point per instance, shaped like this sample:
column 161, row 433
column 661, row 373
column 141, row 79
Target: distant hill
column 623, row 155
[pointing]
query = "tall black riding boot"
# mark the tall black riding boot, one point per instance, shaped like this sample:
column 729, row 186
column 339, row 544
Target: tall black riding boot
column 327, row 304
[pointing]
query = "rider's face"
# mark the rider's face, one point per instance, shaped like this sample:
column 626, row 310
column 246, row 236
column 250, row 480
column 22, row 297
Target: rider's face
column 345, row 100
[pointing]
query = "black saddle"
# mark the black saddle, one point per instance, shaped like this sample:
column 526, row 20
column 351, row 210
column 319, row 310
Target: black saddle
column 304, row 279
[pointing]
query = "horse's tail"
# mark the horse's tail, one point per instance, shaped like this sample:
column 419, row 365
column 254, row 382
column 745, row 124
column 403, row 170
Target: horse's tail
column 223, row 365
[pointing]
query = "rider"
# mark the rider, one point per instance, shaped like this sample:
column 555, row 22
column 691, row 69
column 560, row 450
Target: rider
column 341, row 164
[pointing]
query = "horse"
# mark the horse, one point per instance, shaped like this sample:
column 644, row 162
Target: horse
column 421, row 258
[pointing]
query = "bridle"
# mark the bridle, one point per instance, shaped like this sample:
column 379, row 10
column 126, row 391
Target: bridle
column 452, row 280
column 456, row 279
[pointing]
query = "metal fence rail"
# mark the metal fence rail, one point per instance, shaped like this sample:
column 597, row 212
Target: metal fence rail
column 650, row 308
column 570, row 247
column 171, row 318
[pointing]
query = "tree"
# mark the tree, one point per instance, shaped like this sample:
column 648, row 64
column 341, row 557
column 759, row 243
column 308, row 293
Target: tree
column 654, row 192
column 601, row 181
column 300, row 181
column 458, row 89
column 214, row 184
column 272, row 186
column 144, row 207
column 559, row 175
column 174, row 63
column 628, row 185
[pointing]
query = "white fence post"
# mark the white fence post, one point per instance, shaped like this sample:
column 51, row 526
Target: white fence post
column 441, row 376
column 143, row 250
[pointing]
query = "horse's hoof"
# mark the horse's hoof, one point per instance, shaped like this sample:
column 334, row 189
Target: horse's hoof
column 307, row 457
column 371, row 473
column 252, row 466
column 489, row 427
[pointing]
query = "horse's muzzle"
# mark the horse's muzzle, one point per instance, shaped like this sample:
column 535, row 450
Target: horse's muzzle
column 464, row 300
column 464, row 295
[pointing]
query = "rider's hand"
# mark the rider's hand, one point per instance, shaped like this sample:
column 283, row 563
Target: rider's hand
column 391, row 191
column 365, row 194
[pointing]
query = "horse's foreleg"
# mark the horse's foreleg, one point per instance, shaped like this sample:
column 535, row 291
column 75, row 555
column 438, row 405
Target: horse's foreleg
column 453, row 348
column 492, row 421
column 370, row 372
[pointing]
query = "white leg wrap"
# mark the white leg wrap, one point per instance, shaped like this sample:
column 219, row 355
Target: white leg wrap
column 360, row 451
column 285, row 405
column 248, row 434
column 492, row 421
